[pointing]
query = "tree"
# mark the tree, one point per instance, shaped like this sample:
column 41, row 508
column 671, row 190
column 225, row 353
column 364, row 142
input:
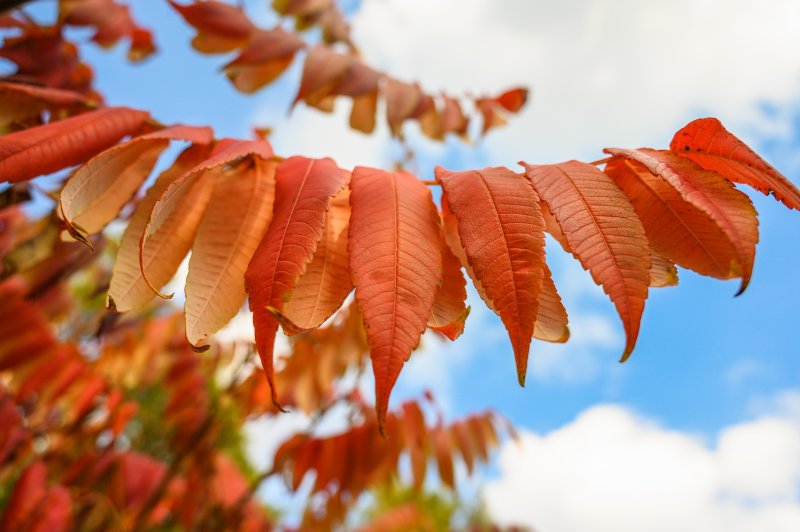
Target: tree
column 295, row 237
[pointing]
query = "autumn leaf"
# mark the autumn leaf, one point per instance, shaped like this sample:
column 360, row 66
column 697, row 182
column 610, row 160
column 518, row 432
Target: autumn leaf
column 199, row 180
column 662, row 272
column 221, row 27
column 233, row 225
column 265, row 58
column 96, row 192
column 731, row 209
column 322, row 71
column 165, row 251
column 494, row 110
column 502, row 233
column 46, row 149
column 323, row 287
column 303, row 191
column 551, row 323
column 706, row 142
column 402, row 100
column 19, row 101
column 449, row 313
column 677, row 229
column 396, row 265
column 603, row 232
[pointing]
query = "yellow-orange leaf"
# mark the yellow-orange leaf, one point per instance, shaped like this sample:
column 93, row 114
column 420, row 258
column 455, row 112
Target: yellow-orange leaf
column 96, row 192
column 707, row 142
column 662, row 272
column 232, row 227
column 502, row 233
column 166, row 250
column 552, row 323
column 19, row 101
column 303, row 191
column 601, row 228
column 449, row 311
column 396, row 265
column 45, row 149
column 324, row 286
column 225, row 152
column 677, row 229
column 707, row 190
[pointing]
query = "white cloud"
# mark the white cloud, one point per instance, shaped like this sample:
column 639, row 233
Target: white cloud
column 603, row 73
column 611, row 470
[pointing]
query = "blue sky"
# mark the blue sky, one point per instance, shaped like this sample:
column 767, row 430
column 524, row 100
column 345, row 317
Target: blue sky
column 602, row 74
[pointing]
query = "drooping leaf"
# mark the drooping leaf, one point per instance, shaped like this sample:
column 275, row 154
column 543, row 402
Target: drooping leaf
column 662, row 272
column 707, row 142
column 221, row 27
column 165, row 250
column 265, row 58
column 303, row 191
column 95, row 193
column 326, row 282
column 402, row 100
column 443, row 449
column 603, row 232
column 453, row 118
column 707, row 190
column 396, row 265
column 45, row 149
column 494, row 110
column 677, row 229
column 322, row 71
column 233, row 225
column 551, row 321
column 502, row 233
column 449, row 312
column 19, row 101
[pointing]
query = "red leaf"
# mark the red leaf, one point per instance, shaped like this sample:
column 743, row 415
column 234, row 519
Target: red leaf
column 603, row 232
column 220, row 27
column 51, row 147
column 449, row 311
column 303, row 190
column 502, row 233
column 681, row 232
column 707, row 142
column 267, row 55
column 731, row 209
column 396, row 265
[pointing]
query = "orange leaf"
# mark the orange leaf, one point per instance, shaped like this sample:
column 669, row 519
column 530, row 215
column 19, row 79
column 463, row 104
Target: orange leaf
column 96, row 192
column 396, row 265
column 495, row 109
column 19, row 101
column 267, row 55
column 551, row 321
column 172, row 200
column 502, row 233
column 603, row 232
column 731, row 209
column 326, row 282
column 402, row 100
column 166, row 250
column 449, row 311
column 677, row 229
column 46, row 149
column 415, row 431
column 322, row 71
column 303, row 191
column 453, row 118
column 662, row 272
column 233, row 225
column 707, row 142
column 443, row 448
column 220, row 27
